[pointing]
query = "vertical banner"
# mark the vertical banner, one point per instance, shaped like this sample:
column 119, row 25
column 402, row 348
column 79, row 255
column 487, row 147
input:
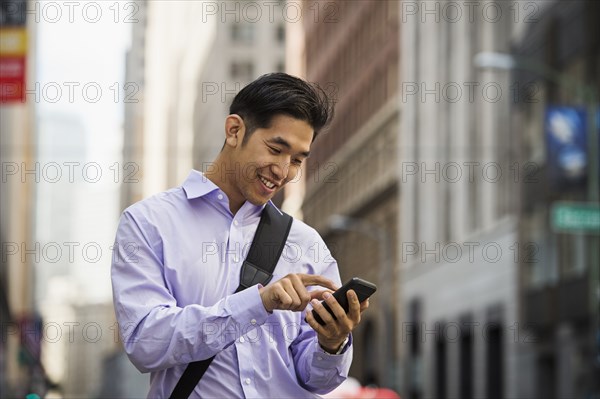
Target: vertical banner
column 13, row 50
column 566, row 144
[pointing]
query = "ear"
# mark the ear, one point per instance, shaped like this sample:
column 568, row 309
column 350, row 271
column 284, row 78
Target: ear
column 234, row 130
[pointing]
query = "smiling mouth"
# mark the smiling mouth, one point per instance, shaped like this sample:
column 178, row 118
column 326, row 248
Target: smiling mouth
column 267, row 183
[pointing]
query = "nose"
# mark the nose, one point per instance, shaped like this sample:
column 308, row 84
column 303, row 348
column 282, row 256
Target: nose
column 281, row 168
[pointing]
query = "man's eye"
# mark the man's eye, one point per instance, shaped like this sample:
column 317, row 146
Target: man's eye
column 274, row 150
column 297, row 161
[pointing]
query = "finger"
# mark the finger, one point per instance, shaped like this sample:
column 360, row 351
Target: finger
column 301, row 292
column 282, row 300
column 336, row 308
column 354, row 310
column 324, row 313
column 310, row 319
column 313, row 279
column 290, row 290
column 364, row 305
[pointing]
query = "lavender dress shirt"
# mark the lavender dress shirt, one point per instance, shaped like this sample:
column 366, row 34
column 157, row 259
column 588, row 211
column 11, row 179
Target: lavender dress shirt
column 176, row 266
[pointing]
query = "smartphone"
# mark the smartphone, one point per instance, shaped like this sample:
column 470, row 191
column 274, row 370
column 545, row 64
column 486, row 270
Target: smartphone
column 363, row 289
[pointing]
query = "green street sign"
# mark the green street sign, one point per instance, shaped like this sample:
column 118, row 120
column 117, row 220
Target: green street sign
column 575, row 217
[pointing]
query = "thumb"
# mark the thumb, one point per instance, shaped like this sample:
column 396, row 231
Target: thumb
column 318, row 294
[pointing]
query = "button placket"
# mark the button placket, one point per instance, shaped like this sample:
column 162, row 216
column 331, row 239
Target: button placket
column 235, row 242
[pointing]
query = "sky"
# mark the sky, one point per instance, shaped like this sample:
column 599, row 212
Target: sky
column 80, row 69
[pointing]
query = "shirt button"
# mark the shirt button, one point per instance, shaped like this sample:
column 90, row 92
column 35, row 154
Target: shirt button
column 253, row 322
column 242, row 340
column 319, row 358
column 236, row 259
column 247, row 381
column 235, row 222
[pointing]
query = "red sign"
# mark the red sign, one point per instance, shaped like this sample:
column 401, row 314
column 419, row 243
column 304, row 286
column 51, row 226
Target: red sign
column 13, row 51
column 12, row 79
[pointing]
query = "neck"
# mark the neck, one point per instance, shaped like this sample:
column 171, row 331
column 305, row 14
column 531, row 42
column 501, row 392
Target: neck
column 219, row 174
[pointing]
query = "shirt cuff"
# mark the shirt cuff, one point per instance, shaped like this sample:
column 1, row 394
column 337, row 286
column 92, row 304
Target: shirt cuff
column 322, row 358
column 341, row 349
column 247, row 308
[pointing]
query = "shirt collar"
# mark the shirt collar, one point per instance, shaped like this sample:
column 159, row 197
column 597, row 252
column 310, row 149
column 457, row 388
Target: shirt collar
column 197, row 185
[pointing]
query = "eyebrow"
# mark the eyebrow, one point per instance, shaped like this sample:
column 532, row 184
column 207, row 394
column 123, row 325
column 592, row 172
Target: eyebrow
column 281, row 141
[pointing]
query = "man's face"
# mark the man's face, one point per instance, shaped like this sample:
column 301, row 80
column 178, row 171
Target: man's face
column 270, row 158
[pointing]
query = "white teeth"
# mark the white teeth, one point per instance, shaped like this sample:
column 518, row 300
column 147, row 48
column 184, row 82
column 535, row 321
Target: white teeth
column 267, row 183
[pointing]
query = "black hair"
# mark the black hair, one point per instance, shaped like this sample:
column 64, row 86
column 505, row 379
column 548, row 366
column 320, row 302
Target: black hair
column 281, row 94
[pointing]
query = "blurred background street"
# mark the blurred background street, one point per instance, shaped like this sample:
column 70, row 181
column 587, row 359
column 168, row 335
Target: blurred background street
column 460, row 174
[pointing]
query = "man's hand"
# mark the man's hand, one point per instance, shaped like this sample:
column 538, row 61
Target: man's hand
column 290, row 292
column 333, row 334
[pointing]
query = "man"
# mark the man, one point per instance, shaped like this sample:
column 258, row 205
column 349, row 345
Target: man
column 180, row 254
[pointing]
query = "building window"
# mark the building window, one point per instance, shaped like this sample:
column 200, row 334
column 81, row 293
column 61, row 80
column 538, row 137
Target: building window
column 370, row 352
column 242, row 71
column 494, row 362
column 547, row 376
column 440, row 363
column 413, row 366
column 466, row 361
column 242, row 33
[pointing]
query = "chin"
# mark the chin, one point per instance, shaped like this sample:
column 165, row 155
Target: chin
column 257, row 200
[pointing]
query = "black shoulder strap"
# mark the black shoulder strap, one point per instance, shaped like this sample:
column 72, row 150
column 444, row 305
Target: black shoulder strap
column 266, row 248
column 267, row 245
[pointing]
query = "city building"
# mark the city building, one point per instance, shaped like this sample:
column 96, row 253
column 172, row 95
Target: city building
column 94, row 338
column 559, row 60
column 20, row 367
column 133, row 124
column 244, row 43
column 459, row 233
column 352, row 192
column 185, row 65
column 162, row 66
column 295, row 64
column 159, row 125
column 19, row 358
